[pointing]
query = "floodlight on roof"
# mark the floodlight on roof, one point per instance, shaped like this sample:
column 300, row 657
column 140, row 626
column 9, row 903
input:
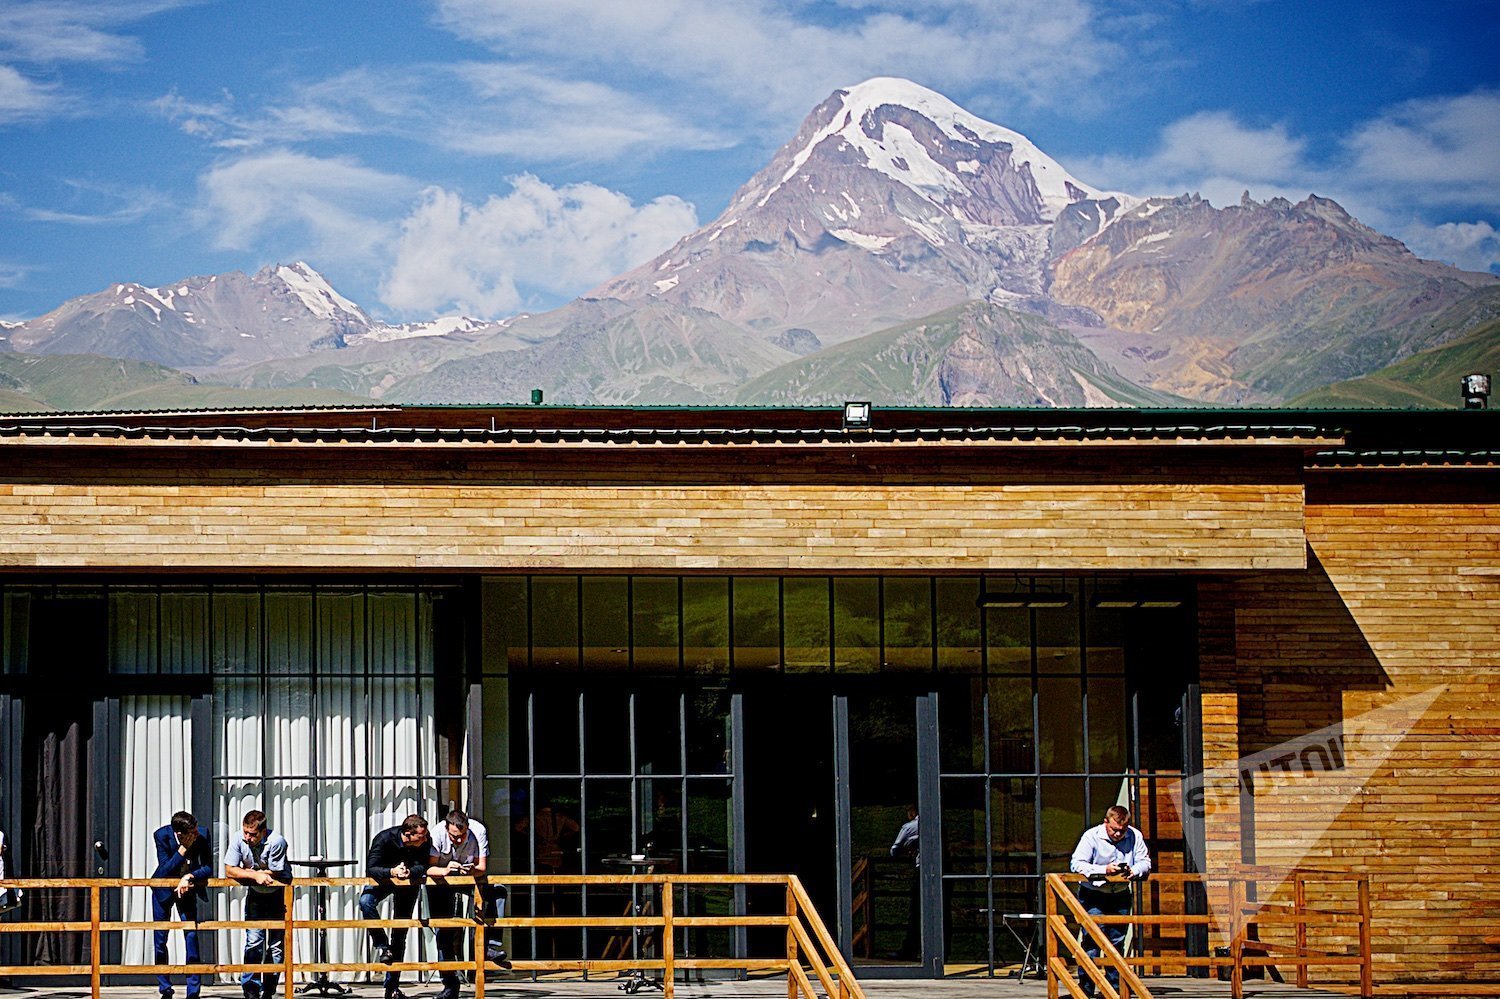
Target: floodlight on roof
column 856, row 416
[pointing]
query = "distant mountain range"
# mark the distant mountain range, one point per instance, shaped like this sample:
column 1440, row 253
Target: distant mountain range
column 898, row 249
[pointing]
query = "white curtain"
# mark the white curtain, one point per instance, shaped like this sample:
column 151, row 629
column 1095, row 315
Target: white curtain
column 332, row 758
column 157, row 770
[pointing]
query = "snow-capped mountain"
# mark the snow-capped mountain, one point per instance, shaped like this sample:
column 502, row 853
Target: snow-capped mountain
column 283, row 310
column 892, row 202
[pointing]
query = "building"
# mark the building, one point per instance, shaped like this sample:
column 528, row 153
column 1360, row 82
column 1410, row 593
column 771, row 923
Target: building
column 749, row 640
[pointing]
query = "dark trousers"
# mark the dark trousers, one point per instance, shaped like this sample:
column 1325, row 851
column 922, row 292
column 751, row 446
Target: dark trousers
column 1103, row 903
column 264, row 946
column 405, row 900
column 442, row 902
column 186, row 907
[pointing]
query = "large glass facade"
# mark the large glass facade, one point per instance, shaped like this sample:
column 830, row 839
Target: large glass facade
column 708, row 723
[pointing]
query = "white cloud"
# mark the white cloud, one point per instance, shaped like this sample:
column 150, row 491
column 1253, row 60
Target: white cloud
column 1472, row 246
column 484, row 259
column 1439, row 150
column 303, row 205
column 51, row 31
column 737, row 57
column 22, row 99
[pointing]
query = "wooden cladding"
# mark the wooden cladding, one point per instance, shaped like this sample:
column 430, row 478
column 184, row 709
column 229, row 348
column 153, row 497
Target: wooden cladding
column 804, row 527
column 1386, row 645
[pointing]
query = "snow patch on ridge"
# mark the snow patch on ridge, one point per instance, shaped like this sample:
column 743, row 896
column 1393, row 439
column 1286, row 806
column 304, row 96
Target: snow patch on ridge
column 315, row 292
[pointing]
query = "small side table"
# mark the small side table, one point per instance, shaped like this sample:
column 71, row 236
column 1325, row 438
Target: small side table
column 1031, row 953
column 321, row 983
column 638, row 864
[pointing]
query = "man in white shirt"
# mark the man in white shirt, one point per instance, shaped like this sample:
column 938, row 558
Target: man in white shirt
column 1110, row 855
column 461, row 846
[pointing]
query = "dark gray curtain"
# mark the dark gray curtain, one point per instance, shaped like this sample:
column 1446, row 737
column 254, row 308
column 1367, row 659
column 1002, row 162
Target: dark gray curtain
column 56, row 777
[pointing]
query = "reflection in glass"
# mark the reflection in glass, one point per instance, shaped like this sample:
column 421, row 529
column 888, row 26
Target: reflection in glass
column 708, row 731
column 964, row 834
column 958, row 624
column 656, row 619
column 1063, row 820
column 757, row 635
column 507, row 644
column 908, row 623
column 1106, row 724
column 1060, row 721
column 606, row 623
column 961, row 725
column 555, row 722
column 805, row 623
column 856, row 625
column 705, row 624
column 657, row 730
column 554, row 622
column 1011, row 745
column 1008, row 639
column 1013, row 824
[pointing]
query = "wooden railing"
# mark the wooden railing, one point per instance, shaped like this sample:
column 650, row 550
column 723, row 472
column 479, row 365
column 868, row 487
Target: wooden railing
column 1241, row 929
column 811, row 954
column 862, row 911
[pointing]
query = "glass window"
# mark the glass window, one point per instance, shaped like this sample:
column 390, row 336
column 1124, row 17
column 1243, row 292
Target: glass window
column 554, row 727
column 606, row 730
column 856, row 625
column 554, row 622
column 1060, row 724
column 507, row 643
column 961, row 739
column 757, row 615
column 708, row 732
column 1057, row 644
column 236, row 633
column 908, row 623
column 1012, row 749
column 1063, row 820
column 184, row 631
column 1013, row 824
column 964, row 831
column 658, row 730
column 1008, row 639
column 656, row 617
column 1106, row 724
column 606, row 623
column 958, row 625
column 705, row 624
column 805, row 624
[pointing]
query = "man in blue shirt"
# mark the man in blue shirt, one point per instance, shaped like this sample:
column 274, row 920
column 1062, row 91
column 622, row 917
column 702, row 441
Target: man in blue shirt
column 182, row 852
column 1110, row 855
column 259, row 858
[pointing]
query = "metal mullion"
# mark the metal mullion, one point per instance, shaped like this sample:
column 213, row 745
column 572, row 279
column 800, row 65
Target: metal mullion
column 531, row 769
column 583, row 784
column 780, row 625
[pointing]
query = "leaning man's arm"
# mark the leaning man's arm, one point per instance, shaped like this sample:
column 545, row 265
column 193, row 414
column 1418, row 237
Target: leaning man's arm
column 1083, row 854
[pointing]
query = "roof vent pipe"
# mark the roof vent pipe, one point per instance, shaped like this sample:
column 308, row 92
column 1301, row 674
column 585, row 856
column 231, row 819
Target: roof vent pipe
column 536, row 397
column 1476, row 391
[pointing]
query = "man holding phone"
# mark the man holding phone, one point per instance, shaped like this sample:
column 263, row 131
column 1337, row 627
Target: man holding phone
column 460, row 847
column 1111, row 855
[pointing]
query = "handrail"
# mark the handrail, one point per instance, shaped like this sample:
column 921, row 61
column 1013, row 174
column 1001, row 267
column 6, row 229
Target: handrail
column 807, row 936
column 1243, row 919
column 1131, row 982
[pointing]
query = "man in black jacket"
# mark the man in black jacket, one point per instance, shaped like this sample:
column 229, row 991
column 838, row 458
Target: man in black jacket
column 398, row 853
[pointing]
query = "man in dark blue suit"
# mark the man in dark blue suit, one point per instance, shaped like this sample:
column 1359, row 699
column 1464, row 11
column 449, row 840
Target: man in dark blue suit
column 182, row 852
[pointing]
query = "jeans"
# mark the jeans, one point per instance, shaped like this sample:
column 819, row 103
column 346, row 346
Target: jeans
column 1103, row 903
column 163, row 903
column 263, row 946
column 405, row 901
column 441, row 903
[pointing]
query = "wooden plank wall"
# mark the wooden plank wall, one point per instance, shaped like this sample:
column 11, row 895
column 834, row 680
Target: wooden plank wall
column 639, row 510
column 1399, row 606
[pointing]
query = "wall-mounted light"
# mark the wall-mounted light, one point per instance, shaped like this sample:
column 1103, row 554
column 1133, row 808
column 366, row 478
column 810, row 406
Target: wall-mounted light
column 1023, row 601
column 856, row 416
column 1125, row 601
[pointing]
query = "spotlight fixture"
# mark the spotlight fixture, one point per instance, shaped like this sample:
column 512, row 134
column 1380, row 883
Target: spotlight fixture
column 1049, row 601
column 1160, row 603
column 1006, row 601
column 856, row 416
column 1113, row 601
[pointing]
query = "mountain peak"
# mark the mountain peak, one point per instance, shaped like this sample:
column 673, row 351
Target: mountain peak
column 313, row 289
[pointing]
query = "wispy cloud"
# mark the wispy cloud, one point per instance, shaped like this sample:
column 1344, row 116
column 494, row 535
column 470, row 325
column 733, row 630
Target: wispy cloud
column 22, row 99
column 1474, row 246
column 1438, row 150
column 13, row 274
column 484, row 259
column 780, row 57
column 327, row 208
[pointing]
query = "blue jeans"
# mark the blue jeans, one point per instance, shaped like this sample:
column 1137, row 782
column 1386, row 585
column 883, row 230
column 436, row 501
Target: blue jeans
column 263, row 946
column 1103, row 903
column 162, row 905
column 369, row 908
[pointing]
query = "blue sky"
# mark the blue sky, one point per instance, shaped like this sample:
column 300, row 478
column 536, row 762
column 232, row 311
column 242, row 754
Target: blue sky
column 549, row 144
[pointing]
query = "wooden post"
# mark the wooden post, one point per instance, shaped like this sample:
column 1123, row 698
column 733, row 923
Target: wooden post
column 1367, row 959
column 668, row 943
column 479, row 943
column 1299, row 908
column 792, row 959
column 1051, row 939
column 1236, row 929
column 94, row 906
column 288, row 961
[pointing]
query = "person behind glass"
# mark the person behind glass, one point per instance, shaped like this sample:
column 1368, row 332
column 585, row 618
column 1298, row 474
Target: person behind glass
column 399, row 853
column 461, row 846
column 906, row 845
column 258, row 856
column 182, row 852
column 1110, row 855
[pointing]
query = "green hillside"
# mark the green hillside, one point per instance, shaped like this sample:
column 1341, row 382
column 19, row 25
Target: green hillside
column 1427, row 380
column 66, row 382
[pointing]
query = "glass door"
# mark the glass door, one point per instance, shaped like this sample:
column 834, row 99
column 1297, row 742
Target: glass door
column 889, row 922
